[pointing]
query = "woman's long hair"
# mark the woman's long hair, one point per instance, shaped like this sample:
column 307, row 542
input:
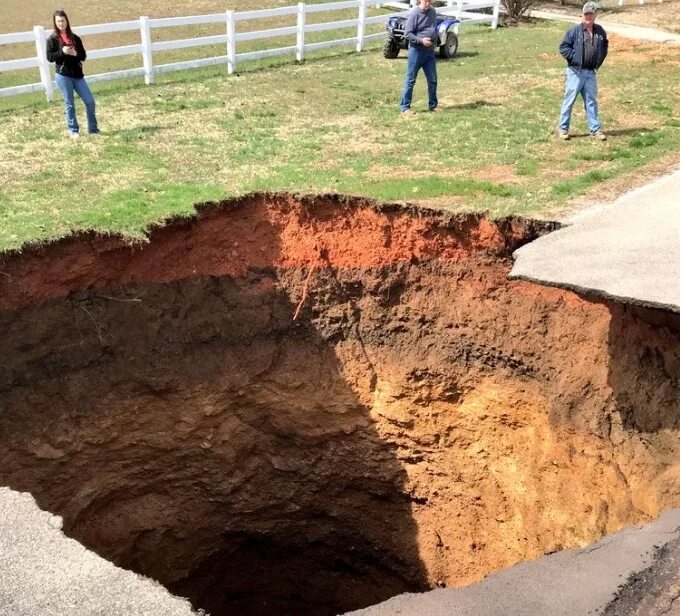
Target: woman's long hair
column 55, row 32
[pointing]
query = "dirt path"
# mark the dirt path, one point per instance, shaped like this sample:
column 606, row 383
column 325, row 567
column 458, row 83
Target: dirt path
column 644, row 26
column 663, row 16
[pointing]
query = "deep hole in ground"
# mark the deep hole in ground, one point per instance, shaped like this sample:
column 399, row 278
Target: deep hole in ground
column 307, row 405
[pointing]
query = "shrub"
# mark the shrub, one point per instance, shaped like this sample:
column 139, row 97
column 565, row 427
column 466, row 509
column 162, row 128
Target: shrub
column 517, row 9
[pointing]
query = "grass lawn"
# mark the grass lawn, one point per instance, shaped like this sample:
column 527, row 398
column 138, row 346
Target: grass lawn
column 332, row 124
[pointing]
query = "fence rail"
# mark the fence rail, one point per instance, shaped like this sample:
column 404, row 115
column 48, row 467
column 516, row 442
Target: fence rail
column 464, row 9
column 632, row 2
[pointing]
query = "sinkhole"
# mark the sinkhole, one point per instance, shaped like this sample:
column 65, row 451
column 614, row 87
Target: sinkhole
column 306, row 405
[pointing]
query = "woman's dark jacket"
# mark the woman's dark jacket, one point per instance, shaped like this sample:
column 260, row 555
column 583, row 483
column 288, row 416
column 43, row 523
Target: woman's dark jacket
column 572, row 46
column 68, row 66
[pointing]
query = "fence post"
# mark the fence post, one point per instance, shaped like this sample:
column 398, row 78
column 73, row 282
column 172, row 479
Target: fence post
column 147, row 56
column 231, row 42
column 361, row 29
column 43, row 64
column 300, row 43
column 459, row 15
column 496, row 11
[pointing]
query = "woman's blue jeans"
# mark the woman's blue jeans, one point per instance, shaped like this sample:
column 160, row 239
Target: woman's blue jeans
column 420, row 58
column 69, row 85
column 584, row 82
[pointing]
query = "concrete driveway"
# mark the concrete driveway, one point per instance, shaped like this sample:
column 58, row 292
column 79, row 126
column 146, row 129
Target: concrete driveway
column 628, row 250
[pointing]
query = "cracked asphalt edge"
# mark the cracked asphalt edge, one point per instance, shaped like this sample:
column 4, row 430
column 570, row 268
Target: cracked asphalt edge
column 655, row 591
column 633, row 572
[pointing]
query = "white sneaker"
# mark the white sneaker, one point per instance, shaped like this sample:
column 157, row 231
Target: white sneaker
column 75, row 135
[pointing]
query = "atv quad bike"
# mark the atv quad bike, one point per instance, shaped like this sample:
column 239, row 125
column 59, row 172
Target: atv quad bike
column 395, row 40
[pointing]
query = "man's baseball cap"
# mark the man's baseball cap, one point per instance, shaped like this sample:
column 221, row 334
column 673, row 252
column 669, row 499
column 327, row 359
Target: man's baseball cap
column 590, row 7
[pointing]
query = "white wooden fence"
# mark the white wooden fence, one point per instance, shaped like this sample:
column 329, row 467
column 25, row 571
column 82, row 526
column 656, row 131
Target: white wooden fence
column 608, row 3
column 465, row 10
column 146, row 47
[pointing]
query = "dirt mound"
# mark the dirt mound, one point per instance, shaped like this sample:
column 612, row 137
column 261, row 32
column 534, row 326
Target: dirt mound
column 308, row 405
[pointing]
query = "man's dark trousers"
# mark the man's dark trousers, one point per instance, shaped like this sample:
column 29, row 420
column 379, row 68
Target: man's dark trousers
column 419, row 57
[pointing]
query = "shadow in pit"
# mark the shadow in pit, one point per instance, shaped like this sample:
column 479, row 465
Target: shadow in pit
column 195, row 433
column 644, row 367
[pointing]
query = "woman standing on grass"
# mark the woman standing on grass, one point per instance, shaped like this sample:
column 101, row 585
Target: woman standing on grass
column 66, row 50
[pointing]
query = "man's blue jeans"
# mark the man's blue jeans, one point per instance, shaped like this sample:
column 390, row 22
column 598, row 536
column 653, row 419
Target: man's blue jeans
column 420, row 58
column 583, row 82
column 68, row 86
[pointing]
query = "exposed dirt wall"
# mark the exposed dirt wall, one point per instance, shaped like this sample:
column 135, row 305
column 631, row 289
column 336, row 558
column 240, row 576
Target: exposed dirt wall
column 257, row 231
column 307, row 406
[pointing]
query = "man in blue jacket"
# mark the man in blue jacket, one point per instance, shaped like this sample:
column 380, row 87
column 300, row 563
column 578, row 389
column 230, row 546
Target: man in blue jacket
column 421, row 33
column 584, row 47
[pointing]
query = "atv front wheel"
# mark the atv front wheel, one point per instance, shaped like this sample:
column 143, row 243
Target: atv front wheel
column 450, row 47
column 390, row 48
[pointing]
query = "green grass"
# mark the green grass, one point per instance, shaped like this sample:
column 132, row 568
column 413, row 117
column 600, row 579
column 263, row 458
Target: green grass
column 578, row 184
column 606, row 154
column 333, row 124
column 664, row 110
column 645, row 140
column 526, row 166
